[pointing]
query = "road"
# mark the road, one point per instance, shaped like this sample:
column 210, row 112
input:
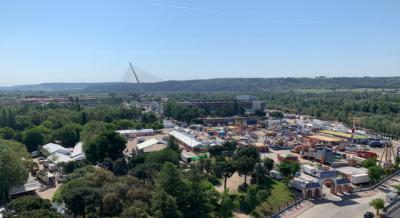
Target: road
column 351, row 206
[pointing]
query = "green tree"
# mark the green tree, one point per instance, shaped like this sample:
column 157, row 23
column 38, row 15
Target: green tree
column 149, row 117
column 170, row 180
column 288, row 169
column 377, row 204
column 30, row 205
column 268, row 164
column 160, row 157
column 226, row 206
column 164, row 205
column 93, row 128
column 250, row 152
column 250, row 200
column 84, row 118
column 172, row 144
column 245, row 166
column 206, row 164
column 216, row 150
column 12, row 168
column 68, row 135
column 79, row 198
column 198, row 195
column 7, row 133
column 120, row 167
column 32, row 138
column 370, row 162
column 112, row 205
column 124, row 124
column 137, row 210
column 375, row 173
column 259, row 175
column 106, row 145
column 39, row 214
column 229, row 147
column 228, row 169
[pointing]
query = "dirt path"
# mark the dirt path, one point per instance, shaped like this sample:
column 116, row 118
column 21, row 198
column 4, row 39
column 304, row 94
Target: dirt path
column 232, row 183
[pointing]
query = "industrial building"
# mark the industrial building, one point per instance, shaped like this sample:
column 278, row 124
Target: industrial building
column 187, row 141
column 58, row 154
column 133, row 133
column 150, row 146
column 247, row 102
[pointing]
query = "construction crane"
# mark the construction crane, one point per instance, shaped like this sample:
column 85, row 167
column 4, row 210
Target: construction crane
column 141, row 91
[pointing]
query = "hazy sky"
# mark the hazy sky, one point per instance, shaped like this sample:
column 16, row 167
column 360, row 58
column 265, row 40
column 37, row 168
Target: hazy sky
column 94, row 40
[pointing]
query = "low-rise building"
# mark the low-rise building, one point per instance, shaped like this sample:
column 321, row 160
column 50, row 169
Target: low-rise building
column 133, row 133
column 58, row 154
column 187, row 140
column 78, row 153
column 356, row 175
column 55, row 148
column 150, row 146
column 59, row 158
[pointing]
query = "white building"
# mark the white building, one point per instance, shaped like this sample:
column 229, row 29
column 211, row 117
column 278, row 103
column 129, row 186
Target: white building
column 186, row 140
column 150, row 146
column 55, row 148
column 132, row 133
column 78, row 153
column 59, row 158
column 168, row 124
column 59, row 154
column 354, row 174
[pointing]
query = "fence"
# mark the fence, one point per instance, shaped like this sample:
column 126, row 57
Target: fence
column 372, row 187
column 289, row 206
column 392, row 207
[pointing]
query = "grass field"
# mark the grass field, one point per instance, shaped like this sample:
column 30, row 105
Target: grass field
column 280, row 195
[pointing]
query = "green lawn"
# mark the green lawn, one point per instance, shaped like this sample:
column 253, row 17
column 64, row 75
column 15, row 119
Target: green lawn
column 280, row 194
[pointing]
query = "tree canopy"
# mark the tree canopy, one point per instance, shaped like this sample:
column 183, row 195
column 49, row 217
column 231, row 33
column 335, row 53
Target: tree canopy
column 13, row 169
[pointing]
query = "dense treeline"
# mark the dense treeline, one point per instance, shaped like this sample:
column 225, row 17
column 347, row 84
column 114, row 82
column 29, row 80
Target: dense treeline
column 37, row 125
column 150, row 186
column 157, row 184
column 378, row 111
column 253, row 84
column 227, row 85
column 25, row 129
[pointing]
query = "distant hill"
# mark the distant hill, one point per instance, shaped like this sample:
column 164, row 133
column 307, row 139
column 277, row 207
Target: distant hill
column 223, row 84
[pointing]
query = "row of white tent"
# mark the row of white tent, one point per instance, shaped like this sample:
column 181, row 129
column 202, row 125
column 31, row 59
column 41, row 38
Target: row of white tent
column 60, row 154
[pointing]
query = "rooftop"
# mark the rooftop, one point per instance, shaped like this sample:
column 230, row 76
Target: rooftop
column 325, row 138
column 187, row 139
column 147, row 143
column 51, row 148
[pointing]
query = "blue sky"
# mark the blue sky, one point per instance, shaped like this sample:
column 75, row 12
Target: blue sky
column 94, row 40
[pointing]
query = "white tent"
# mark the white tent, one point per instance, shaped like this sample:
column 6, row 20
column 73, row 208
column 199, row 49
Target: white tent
column 53, row 148
column 151, row 145
column 59, row 158
column 78, row 153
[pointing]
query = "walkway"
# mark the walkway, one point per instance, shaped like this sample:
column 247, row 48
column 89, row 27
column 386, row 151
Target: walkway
column 349, row 206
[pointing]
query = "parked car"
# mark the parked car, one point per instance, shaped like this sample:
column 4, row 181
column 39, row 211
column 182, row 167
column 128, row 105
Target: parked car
column 369, row 214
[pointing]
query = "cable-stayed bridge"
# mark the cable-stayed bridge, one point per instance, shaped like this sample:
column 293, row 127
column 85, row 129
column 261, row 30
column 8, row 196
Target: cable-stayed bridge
column 143, row 75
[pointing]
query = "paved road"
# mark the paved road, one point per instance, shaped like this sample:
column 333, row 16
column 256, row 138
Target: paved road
column 394, row 212
column 351, row 206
